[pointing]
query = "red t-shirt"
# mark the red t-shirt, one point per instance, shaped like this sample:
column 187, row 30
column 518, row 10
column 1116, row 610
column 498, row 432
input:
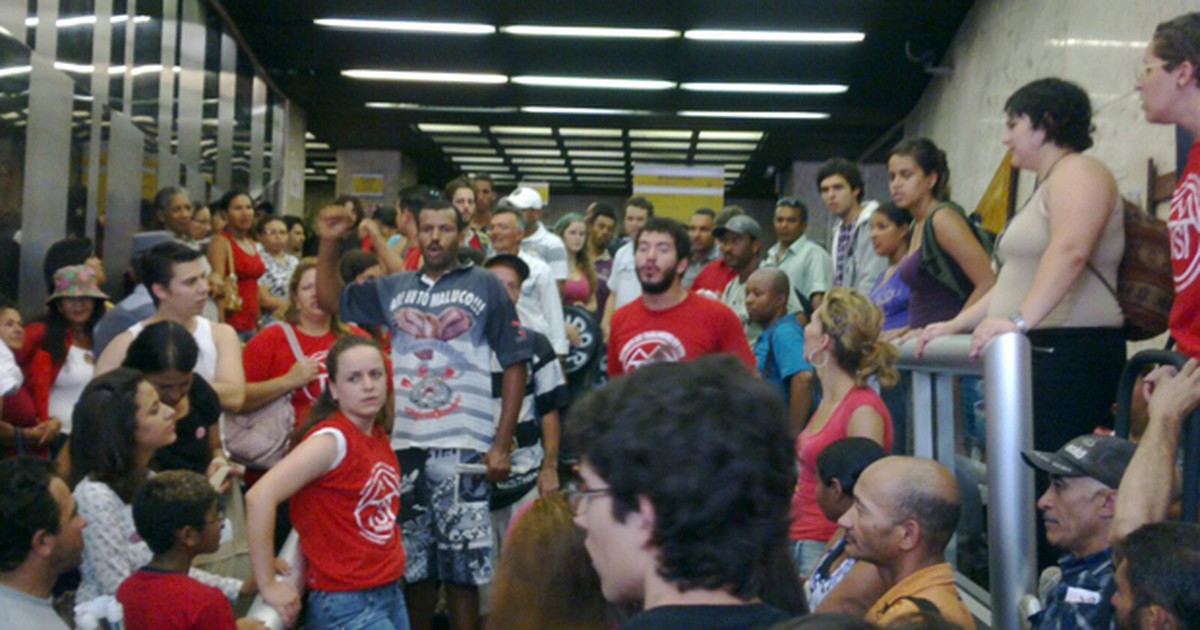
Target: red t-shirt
column 248, row 267
column 714, row 277
column 269, row 356
column 691, row 329
column 1184, row 224
column 412, row 259
column 160, row 600
column 808, row 521
column 29, row 406
column 347, row 517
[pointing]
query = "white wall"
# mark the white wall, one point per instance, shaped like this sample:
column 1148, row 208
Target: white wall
column 1004, row 44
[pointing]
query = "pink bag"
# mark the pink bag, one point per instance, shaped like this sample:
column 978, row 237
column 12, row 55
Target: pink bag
column 261, row 438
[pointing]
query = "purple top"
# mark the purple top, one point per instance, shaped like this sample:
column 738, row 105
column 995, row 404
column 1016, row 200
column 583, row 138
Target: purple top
column 929, row 301
column 891, row 297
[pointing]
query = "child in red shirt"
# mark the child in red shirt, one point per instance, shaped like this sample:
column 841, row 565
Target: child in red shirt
column 176, row 513
column 344, row 484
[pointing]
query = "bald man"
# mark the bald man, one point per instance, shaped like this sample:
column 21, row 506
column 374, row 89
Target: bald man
column 905, row 511
column 780, row 348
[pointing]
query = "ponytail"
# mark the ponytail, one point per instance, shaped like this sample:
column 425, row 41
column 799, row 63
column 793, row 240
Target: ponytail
column 879, row 360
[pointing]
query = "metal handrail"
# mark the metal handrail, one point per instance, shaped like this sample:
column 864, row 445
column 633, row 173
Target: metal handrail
column 1191, row 429
column 1006, row 369
column 290, row 553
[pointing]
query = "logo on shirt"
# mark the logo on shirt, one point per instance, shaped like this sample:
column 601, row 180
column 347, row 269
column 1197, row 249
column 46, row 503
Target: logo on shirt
column 375, row 517
column 654, row 346
column 428, row 337
column 1185, row 232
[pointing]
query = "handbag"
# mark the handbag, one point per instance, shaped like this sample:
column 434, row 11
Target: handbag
column 261, row 438
column 1145, row 281
column 233, row 299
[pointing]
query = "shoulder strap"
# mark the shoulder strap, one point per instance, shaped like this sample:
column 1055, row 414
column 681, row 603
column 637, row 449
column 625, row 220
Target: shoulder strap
column 1108, row 286
column 292, row 341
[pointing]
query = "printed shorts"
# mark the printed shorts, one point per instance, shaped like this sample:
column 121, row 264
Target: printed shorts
column 444, row 517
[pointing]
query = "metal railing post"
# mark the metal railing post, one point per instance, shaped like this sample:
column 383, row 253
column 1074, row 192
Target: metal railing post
column 1012, row 549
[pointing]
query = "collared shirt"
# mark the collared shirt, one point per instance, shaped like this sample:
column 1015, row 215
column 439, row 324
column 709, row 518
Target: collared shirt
column 808, row 266
column 934, row 585
column 623, row 280
column 549, row 247
column 540, row 306
column 735, row 298
column 1082, row 599
column 695, row 266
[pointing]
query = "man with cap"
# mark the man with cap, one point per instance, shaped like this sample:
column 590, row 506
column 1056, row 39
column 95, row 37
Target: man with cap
column 1078, row 509
column 540, row 308
column 538, row 240
column 808, row 266
column 741, row 247
column 136, row 306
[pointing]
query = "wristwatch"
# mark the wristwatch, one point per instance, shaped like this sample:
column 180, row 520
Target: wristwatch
column 1019, row 321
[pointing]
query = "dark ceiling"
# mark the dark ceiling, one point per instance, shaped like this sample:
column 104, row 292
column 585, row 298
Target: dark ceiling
column 306, row 60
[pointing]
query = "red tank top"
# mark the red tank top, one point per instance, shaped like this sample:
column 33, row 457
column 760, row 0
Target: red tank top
column 347, row 518
column 808, row 521
column 248, row 267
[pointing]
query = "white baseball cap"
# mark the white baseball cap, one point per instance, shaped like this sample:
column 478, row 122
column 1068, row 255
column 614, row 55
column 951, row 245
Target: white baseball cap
column 525, row 199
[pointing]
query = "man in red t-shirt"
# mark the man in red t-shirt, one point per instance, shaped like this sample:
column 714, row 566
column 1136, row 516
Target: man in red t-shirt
column 667, row 323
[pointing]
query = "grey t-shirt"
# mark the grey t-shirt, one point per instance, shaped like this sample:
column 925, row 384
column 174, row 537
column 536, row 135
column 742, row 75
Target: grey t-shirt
column 443, row 335
column 23, row 612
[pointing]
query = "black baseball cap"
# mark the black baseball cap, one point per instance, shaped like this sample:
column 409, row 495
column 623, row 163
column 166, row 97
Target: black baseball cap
column 512, row 262
column 1101, row 457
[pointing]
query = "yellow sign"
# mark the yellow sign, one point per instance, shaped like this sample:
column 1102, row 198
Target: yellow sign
column 366, row 185
column 679, row 191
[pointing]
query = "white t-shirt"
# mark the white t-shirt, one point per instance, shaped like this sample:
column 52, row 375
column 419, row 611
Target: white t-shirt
column 549, row 247
column 540, row 306
column 623, row 281
column 206, row 361
column 76, row 371
column 10, row 373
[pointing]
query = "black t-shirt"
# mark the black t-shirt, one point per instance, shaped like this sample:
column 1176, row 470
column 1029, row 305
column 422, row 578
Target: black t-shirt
column 706, row 618
column 190, row 450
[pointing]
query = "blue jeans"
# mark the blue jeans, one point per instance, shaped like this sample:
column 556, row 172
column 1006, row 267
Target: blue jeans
column 375, row 609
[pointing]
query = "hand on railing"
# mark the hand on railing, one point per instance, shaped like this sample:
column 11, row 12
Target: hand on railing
column 987, row 330
column 931, row 332
column 1173, row 394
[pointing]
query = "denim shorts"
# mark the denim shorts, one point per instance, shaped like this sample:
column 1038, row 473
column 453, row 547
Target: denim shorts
column 375, row 609
column 445, row 517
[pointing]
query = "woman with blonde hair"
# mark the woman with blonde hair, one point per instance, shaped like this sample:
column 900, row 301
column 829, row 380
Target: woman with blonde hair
column 581, row 285
column 842, row 342
column 531, row 592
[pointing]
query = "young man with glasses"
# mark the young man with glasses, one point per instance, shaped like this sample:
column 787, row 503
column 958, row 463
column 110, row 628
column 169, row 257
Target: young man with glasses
column 686, row 479
column 807, row 264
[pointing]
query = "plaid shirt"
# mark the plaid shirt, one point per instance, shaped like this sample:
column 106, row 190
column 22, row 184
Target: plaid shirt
column 1081, row 600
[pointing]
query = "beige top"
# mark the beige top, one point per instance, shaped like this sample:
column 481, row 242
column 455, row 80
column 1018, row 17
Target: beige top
column 1088, row 303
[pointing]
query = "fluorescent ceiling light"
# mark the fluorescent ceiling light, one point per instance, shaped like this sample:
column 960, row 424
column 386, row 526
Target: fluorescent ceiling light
column 594, row 144
column 600, row 171
column 534, row 152
column 86, row 20
column 766, row 88
column 425, row 77
column 611, row 163
column 544, row 169
column 458, row 139
column 722, row 157
column 13, row 71
column 597, row 154
column 521, row 131
column 731, row 135
column 593, row 83
column 658, row 156
column 774, row 37
column 479, row 159
column 779, row 115
column 726, row 146
column 734, row 167
column 527, row 142
column 440, row 108
column 553, row 178
column 589, row 31
column 600, row 178
column 585, row 111
column 588, row 132
column 408, row 26
column 442, row 128
column 540, row 161
column 315, row 145
column 661, row 134
column 659, row 145
column 470, row 150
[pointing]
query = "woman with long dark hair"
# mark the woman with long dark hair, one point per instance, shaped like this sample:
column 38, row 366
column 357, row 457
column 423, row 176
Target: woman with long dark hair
column 65, row 333
column 343, row 484
column 233, row 251
column 120, row 424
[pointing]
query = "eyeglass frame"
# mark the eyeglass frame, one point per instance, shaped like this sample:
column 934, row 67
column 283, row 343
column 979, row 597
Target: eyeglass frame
column 578, row 497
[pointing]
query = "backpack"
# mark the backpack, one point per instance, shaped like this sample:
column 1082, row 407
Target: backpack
column 1145, row 281
column 937, row 263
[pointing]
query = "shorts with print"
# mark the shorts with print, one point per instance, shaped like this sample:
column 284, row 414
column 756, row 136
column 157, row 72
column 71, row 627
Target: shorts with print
column 444, row 517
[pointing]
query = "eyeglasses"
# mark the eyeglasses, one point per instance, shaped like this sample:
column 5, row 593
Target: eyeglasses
column 1146, row 69
column 579, row 498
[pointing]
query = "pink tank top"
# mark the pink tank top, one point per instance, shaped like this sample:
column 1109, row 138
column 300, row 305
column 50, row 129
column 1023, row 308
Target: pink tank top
column 576, row 291
column 808, row 521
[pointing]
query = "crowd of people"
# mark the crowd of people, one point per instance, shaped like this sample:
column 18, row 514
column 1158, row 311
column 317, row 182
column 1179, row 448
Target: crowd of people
column 390, row 384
